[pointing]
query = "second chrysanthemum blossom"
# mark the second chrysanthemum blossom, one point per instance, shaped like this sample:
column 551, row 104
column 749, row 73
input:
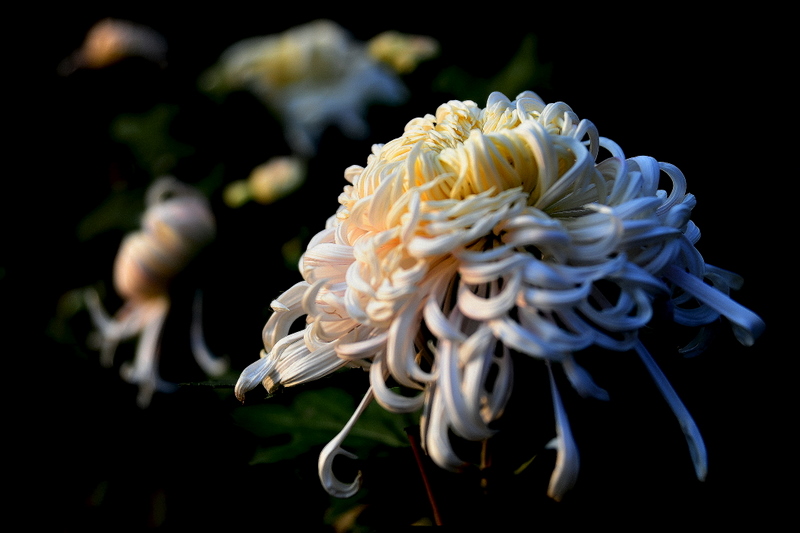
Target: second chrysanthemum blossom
column 482, row 234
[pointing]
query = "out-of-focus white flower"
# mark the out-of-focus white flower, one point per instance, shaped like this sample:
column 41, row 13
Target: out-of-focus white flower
column 111, row 40
column 268, row 182
column 485, row 232
column 312, row 76
column 403, row 51
column 176, row 225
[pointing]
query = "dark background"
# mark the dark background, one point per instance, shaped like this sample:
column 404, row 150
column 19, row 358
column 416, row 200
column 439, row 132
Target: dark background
column 707, row 93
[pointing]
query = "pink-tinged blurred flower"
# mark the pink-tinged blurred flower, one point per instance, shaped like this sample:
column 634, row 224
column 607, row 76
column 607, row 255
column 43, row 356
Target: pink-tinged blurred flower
column 112, row 40
column 311, row 76
column 484, row 235
column 176, row 225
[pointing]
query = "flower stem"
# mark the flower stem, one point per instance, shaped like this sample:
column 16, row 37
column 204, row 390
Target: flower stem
column 486, row 463
column 413, row 438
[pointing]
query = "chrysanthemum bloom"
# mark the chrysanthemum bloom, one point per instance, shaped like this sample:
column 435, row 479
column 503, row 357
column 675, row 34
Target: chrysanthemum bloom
column 312, row 76
column 176, row 225
column 112, row 40
column 485, row 232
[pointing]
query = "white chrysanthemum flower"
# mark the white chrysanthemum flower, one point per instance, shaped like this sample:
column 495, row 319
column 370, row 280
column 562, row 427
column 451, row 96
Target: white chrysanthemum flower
column 482, row 232
column 312, row 76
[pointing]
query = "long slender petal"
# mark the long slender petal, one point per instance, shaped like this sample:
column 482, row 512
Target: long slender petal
column 210, row 363
column 565, row 473
column 697, row 447
column 747, row 326
column 330, row 482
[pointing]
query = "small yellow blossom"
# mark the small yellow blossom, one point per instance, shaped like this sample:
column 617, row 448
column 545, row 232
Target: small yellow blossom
column 404, row 52
column 268, row 182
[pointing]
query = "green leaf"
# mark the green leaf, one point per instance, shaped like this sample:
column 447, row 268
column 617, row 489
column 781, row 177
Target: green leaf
column 313, row 419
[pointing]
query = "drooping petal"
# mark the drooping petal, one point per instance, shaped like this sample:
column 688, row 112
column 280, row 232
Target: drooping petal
column 747, row 326
column 143, row 371
column 697, row 447
column 582, row 380
column 210, row 363
column 330, row 482
column 463, row 402
column 253, row 375
column 565, row 473
column 385, row 396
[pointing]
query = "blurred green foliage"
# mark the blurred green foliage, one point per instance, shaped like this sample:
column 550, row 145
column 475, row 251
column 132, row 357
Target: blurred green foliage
column 148, row 136
column 313, row 419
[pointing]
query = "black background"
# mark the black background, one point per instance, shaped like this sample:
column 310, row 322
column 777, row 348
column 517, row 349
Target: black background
column 708, row 93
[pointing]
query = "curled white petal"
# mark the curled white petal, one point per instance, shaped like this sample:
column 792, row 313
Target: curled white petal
column 330, row 482
column 747, row 325
column 518, row 338
column 388, row 399
column 365, row 348
column 463, row 401
column 286, row 309
column 582, row 380
column 253, row 375
column 434, row 428
column 210, row 363
column 297, row 364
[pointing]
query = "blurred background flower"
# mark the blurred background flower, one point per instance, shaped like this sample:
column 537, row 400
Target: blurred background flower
column 401, row 51
column 110, row 41
column 268, row 182
column 312, row 76
column 176, row 225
